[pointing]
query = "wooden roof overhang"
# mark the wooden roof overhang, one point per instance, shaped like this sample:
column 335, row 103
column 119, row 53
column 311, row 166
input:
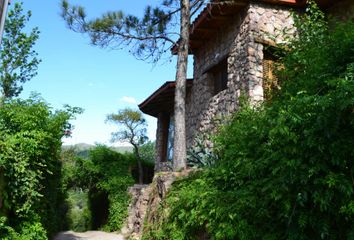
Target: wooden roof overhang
column 162, row 100
column 219, row 12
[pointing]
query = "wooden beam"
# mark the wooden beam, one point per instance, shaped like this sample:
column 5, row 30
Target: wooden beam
column 196, row 41
column 287, row 2
column 230, row 3
column 219, row 17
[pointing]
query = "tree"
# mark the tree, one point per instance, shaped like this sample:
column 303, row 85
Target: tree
column 133, row 130
column 148, row 152
column 18, row 59
column 149, row 38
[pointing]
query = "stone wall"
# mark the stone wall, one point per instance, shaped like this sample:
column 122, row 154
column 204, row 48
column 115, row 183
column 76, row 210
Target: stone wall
column 241, row 42
column 145, row 202
column 136, row 211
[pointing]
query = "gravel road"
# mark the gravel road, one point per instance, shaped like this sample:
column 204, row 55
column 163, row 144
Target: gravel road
column 90, row 235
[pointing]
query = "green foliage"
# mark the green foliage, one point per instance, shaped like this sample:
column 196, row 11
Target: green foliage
column 27, row 231
column 132, row 127
column 76, row 180
column 79, row 214
column 98, row 196
column 148, row 36
column 132, row 124
column 19, row 61
column 148, row 152
column 29, row 161
column 199, row 155
column 286, row 168
column 110, row 171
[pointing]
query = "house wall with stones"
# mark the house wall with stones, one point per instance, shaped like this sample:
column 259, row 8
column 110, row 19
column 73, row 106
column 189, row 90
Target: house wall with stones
column 241, row 42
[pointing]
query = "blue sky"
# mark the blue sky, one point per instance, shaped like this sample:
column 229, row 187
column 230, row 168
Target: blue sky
column 99, row 80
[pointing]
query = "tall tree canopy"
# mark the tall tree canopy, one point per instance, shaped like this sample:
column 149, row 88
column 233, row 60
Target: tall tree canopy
column 19, row 61
column 148, row 38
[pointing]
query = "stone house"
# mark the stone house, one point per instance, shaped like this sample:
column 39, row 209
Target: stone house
column 231, row 43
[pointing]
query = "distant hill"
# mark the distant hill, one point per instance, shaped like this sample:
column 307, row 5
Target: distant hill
column 123, row 149
column 79, row 146
column 82, row 149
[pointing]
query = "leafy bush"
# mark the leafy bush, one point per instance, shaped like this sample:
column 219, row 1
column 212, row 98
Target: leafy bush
column 110, row 171
column 200, row 155
column 29, row 160
column 26, row 231
column 286, row 168
column 79, row 214
column 105, row 177
column 147, row 151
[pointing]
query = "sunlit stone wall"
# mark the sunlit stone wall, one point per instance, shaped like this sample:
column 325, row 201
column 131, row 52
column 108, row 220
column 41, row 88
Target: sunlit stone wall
column 241, row 41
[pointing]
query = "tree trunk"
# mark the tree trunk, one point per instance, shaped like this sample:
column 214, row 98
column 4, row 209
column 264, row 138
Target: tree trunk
column 140, row 166
column 179, row 145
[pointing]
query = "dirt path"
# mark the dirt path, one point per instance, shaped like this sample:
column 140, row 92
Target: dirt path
column 90, row 235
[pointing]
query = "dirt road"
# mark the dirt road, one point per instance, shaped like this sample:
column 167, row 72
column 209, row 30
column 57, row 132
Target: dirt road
column 90, row 235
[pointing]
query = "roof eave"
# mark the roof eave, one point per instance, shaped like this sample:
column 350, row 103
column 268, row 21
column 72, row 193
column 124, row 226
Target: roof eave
column 152, row 99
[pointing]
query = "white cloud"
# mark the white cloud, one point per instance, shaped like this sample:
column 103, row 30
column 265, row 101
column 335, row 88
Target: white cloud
column 129, row 100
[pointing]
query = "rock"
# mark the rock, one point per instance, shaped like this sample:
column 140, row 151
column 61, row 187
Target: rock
column 136, row 211
column 145, row 201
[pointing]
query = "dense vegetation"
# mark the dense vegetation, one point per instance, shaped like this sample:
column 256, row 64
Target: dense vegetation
column 45, row 189
column 42, row 189
column 286, row 167
column 97, row 186
column 31, row 190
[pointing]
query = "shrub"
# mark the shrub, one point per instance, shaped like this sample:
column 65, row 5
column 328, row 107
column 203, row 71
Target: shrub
column 199, row 155
column 25, row 231
column 104, row 176
column 114, row 178
column 79, row 214
column 29, row 159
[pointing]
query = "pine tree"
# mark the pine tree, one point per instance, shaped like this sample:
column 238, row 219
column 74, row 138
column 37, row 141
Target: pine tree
column 148, row 37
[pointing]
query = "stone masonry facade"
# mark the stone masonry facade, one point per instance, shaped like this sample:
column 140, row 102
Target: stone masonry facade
column 237, row 53
column 242, row 43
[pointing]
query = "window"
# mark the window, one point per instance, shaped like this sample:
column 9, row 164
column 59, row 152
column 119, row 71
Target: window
column 219, row 76
column 171, row 130
column 270, row 80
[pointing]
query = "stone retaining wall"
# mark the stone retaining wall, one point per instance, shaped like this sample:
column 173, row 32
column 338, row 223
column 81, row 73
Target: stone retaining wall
column 145, row 203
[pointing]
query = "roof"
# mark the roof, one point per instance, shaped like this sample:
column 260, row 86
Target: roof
column 219, row 12
column 162, row 100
